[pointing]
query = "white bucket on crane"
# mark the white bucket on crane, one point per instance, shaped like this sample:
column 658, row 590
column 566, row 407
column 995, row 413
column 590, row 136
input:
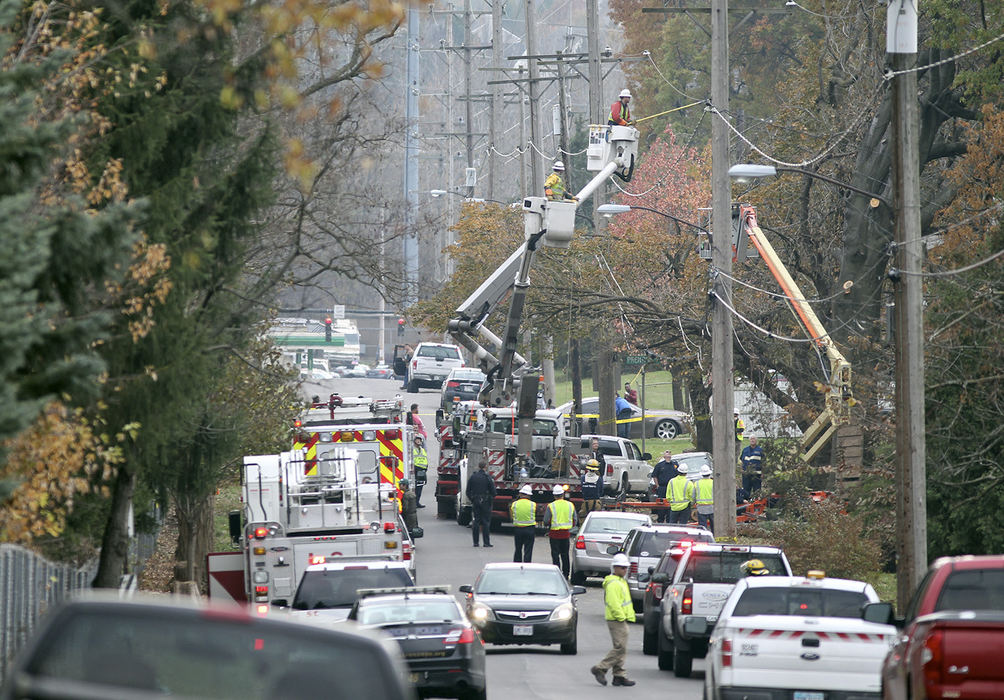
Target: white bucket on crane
column 559, row 224
column 608, row 143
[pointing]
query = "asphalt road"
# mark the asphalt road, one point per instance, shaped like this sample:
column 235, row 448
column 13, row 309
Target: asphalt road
column 445, row 555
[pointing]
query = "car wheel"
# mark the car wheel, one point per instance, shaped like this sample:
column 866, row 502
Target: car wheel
column 664, row 650
column 666, row 430
column 649, row 641
column 413, row 387
column 639, row 608
column 474, row 694
column 571, row 648
column 682, row 664
column 577, row 578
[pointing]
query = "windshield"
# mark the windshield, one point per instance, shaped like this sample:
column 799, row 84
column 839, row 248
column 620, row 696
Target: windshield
column 724, row 567
column 405, row 611
column 978, row 589
column 521, row 582
column 807, row 602
column 338, row 589
column 468, row 374
column 655, row 543
column 439, row 352
column 169, row 654
column 609, row 523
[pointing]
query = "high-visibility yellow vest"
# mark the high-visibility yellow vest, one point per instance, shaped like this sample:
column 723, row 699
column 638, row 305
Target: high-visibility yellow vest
column 625, row 112
column 420, row 458
column 561, row 514
column 523, row 512
column 556, row 185
column 705, row 489
column 617, row 597
column 679, row 492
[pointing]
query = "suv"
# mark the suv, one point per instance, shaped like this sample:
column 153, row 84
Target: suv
column 700, row 585
column 431, row 363
column 643, row 547
column 600, row 532
column 462, row 383
column 330, row 589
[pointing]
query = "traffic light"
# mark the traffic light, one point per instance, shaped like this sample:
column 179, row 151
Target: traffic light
column 400, row 326
column 327, row 330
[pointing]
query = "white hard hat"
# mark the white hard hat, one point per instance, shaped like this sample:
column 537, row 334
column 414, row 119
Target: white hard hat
column 620, row 560
column 625, row 93
column 559, row 165
column 526, row 490
column 557, row 490
column 682, row 468
column 705, row 470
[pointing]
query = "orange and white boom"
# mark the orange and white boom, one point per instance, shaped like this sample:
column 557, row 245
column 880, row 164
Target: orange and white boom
column 839, row 397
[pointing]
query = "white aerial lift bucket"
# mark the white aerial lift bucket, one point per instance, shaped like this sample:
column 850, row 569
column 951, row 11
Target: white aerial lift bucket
column 559, row 224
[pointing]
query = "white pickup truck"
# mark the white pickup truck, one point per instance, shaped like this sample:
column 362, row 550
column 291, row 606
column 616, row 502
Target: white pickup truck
column 702, row 582
column 627, row 468
column 798, row 639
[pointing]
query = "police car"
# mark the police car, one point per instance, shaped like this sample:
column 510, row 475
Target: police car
column 796, row 638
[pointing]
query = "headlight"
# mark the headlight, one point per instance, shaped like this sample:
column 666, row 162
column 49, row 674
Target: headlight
column 562, row 612
column 480, row 613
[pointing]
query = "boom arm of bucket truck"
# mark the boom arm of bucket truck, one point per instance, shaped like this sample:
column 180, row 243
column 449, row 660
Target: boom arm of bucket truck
column 612, row 152
column 839, row 398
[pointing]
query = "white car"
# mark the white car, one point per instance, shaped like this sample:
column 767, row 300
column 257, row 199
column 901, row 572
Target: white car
column 797, row 638
column 359, row 370
column 317, row 374
column 600, row 530
column 328, row 590
column 430, row 364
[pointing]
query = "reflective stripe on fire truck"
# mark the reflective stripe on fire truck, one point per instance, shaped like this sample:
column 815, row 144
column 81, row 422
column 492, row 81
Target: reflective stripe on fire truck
column 308, row 443
column 392, row 448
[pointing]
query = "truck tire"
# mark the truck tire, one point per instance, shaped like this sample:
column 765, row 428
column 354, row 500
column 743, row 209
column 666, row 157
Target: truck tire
column 683, row 662
column 664, row 651
column 446, row 507
column 577, row 578
column 464, row 516
column 650, row 641
column 412, row 387
column 474, row 694
column 571, row 648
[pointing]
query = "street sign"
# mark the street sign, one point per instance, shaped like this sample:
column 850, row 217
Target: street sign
column 635, row 360
column 338, row 311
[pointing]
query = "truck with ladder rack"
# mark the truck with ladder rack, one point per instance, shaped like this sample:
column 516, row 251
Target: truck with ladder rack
column 336, row 494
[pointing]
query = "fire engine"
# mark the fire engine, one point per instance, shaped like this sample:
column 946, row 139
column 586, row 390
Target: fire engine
column 335, row 494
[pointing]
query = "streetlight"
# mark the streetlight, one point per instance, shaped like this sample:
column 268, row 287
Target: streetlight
column 745, row 172
column 609, row 210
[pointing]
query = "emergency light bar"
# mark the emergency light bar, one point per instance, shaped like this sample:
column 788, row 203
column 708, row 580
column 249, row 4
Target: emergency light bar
column 428, row 590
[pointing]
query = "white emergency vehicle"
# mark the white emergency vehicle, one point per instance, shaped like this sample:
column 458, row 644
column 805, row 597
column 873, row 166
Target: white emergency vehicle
column 797, row 638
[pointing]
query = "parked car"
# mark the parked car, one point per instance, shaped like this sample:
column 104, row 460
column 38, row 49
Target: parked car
column 793, row 637
column 628, row 469
column 695, row 596
column 644, row 546
column 329, row 590
column 524, row 604
column 358, row 371
column 380, row 372
column 431, row 363
column 598, row 531
column 664, row 424
column 952, row 637
column 104, row 646
column 316, row 374
column 444, row 652
column 658, row 579
column 463, row 384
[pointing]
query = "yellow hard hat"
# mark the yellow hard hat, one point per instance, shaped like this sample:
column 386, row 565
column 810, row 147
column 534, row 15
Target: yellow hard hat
column 754, row 567
column 592, row 464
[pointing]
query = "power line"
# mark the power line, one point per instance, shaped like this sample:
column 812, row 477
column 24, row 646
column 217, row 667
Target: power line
column 892, row 74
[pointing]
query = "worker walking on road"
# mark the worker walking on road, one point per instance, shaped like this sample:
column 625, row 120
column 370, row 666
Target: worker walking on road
column 751, row 460
column 481, row 492
column 554, row 185
column 619, row 611
column 680, row 494
column 620, row 113
column 559, row 519
column 592, row 487
column 704, row 499
column 523, row 513
column 420, row 459
column 408, row 508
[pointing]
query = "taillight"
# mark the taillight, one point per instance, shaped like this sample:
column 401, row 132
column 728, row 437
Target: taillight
column 261, row 594
column 389, row 527
column 317, row 559
column 406, row 551
column 633, row 570
column 414, row 364
column 932, row 658
column 452, row 384
column 465, row 636
column 610, row 470
column 260, row 533
column 687, row 604
column 656, row 589
column 726, row 652
column 580, row 542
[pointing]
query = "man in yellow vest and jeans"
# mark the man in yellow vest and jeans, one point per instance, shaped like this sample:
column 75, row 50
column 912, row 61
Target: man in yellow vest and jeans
column 420, row 459
column 704, row 499
column 619, row 611
column 559, row 519
column 523, row 513
column 680, row 494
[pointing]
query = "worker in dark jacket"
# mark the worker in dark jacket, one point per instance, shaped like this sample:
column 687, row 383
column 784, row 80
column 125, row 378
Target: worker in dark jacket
column 481, row 492
column 592, row 487
column 409, row 508
column 662, row 474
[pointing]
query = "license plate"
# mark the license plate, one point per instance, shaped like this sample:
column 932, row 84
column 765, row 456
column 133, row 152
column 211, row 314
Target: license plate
column 808, row 695
column 522, row 630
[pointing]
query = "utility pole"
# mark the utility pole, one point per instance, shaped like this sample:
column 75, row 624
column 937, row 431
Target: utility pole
column 494, row 118
column 469, row 116
column 536, row 169
column 595, row 94
column 522, row 138
column 411, row 160
column 563, row 126
column 723, row 398
column 911, row 449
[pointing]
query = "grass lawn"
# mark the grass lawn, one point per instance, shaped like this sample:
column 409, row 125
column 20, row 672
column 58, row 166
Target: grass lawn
column 228, row 498
column 658, row 388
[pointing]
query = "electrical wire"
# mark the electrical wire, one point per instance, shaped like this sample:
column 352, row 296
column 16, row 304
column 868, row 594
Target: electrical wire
column 892, row 74
column 651, row 60
column 636, row 194
column 954, row 271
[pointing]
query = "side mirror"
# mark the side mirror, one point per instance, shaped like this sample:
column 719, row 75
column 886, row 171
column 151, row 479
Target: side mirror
column 578, row 590
column 466, row 588
column 647, row 456
column 651, row 570
column 234, row 524
column 613, row 549
column 644, row 578
column 881, row 613
column 660, row 578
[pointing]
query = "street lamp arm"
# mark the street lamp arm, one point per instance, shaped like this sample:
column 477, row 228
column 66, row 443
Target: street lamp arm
column 610, row 209
column 838, row 183
column 743, row 172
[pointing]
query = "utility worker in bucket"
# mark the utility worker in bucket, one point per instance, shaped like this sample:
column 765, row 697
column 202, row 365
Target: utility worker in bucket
column 620, row 113
column 554, row 185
